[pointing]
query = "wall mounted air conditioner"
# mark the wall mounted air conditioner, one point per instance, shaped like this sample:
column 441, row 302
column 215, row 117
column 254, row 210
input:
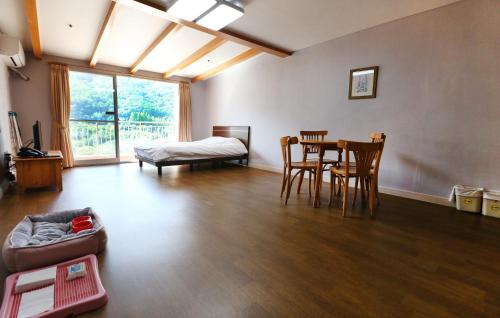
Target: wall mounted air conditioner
column 11, row 51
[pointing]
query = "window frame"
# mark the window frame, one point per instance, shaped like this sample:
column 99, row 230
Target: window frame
column 114, row 75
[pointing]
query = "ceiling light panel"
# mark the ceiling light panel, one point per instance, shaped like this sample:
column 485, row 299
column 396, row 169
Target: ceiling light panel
column 220, row 16
column 190, row 9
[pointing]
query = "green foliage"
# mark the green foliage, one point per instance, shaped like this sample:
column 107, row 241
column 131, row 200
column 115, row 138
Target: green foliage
column 138, row 99
column 145, row 111
column 145, row 100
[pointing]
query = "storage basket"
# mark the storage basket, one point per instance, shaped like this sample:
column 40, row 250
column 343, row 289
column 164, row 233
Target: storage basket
column 468, row 198
column 491, row 203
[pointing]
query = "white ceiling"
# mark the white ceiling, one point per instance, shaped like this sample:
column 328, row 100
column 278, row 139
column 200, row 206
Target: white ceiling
column 175, row 48
column 13, row 22
column 297, row 24
column 288, row 24
column 131, row 33
column 57, row 38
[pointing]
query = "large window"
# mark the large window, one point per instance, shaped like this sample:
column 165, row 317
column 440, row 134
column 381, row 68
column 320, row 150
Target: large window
column 147, row 111
column 106, row 126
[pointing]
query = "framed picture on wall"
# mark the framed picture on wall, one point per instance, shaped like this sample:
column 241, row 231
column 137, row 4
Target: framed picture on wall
column 363, row 83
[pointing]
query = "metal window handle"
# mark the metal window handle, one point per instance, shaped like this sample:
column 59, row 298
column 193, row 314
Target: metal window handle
column 110, row 113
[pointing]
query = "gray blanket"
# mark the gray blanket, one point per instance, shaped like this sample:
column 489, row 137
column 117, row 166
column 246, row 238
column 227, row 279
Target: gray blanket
column 37, row 230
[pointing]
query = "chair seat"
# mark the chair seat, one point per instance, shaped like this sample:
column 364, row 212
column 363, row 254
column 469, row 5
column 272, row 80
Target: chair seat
column 342, row 171
column 326, row 161
column 352, row 171
column 329, row 161
column 351, row 164
column 305, row 165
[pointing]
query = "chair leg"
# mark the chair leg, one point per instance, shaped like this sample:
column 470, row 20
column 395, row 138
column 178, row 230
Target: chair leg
column 301, row 178
column 339, row 190
column 335, row 184
column 332, row 187
column 310, row 177
column 283, row 183
column 355, row 191
column 367, row 185
column 375, row 189
column 363, row 194
column 289, row 185
column 345, row 195
column 371, row 199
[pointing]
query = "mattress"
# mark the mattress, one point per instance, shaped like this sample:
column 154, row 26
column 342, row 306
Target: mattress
column 212, row 147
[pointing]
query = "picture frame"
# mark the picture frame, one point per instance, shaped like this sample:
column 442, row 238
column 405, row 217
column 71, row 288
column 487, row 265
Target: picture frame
column 363, row 82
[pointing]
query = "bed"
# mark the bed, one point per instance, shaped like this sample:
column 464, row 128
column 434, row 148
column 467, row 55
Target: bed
column 228, row 143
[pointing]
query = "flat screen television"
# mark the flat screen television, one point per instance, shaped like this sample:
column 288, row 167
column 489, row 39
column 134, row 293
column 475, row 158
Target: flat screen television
column 37, row 136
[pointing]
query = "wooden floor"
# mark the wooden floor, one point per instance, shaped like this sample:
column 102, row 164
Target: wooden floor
column 219, row 243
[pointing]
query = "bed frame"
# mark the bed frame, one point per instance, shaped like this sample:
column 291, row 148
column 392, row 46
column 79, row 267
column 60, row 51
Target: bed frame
column 240, row 132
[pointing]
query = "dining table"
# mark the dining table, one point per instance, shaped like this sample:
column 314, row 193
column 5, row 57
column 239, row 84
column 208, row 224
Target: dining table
column 322, row 146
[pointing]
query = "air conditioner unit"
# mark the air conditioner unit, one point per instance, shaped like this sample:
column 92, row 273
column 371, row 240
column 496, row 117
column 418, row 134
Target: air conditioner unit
column 11, row 51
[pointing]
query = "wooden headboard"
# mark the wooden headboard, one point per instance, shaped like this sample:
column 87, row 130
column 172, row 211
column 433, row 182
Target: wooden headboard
column 240, row 132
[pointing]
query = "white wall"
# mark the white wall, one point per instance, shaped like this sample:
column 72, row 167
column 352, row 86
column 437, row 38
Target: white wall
column 5, row 106
column 438, row 97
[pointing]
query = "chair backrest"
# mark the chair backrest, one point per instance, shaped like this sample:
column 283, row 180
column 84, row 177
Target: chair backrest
column 286, row 149
column 312, row 135
column 377, row 137
column 365, row 155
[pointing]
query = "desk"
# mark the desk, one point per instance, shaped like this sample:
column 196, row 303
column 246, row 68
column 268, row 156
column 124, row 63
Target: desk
column 39, row 172
column 323, row 145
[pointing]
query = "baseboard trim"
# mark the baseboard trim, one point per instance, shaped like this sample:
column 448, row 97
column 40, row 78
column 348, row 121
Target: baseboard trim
column 386, row 190
column 264, row 167
column 416, row 196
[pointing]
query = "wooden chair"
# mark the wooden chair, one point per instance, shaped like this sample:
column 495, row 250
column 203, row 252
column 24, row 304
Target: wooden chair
column 289, row 165
column 376, row 137
column 367, row 157
column 308, row 150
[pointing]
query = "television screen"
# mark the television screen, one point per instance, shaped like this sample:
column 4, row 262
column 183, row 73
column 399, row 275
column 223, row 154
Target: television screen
column 37, row 135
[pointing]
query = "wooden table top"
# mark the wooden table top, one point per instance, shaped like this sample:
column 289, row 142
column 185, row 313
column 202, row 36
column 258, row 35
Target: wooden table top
column 323, row 144
column 51, row 154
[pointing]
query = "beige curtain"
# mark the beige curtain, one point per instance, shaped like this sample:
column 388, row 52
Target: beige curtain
column 185, row 117
column 60, row 107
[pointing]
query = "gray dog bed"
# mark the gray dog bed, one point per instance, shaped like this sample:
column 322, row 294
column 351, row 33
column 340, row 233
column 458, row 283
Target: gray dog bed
column 42, row 240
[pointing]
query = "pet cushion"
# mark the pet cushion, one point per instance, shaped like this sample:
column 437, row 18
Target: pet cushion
column 41, row 240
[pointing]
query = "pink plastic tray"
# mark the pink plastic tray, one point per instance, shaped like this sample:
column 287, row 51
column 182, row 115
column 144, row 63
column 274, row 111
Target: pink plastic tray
column 72, row 297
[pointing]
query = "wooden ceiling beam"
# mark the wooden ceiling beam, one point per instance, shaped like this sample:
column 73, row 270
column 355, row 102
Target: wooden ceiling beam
column 32, row 17
column 103, row 34
column 204, row 50
column 154, row 9
column 164, row 34
column 235, row 60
